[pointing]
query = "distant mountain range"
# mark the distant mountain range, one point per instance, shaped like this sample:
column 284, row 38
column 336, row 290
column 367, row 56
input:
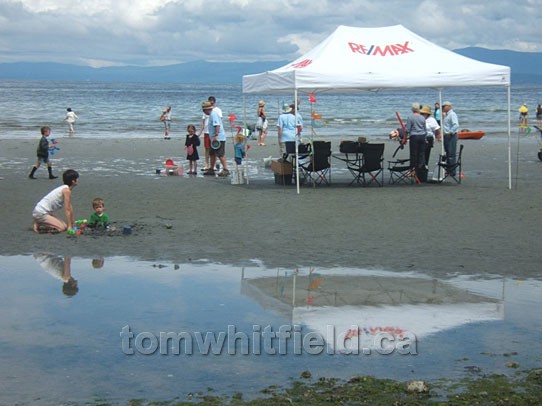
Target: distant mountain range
column 525, row 69
column 525, row 65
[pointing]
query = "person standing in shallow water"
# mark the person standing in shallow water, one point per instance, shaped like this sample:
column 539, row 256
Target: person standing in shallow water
column 165, row 117
column 71, row 118
column 261, row 123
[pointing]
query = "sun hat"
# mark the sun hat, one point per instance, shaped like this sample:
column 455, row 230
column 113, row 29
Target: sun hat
column 206, row 105
column 446, row 103
column 215, row 144
column 261, row 103
column 425, row 110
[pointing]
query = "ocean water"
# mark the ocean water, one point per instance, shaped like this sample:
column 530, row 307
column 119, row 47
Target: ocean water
column 132, row 110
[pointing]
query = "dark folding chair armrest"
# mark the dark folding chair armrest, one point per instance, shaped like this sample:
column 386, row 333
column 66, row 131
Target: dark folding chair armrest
column 399, row 161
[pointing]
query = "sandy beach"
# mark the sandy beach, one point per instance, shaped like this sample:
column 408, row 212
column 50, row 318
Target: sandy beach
column 478, row 227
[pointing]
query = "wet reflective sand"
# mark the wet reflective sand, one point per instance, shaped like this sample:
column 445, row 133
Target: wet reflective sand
column 242, row 329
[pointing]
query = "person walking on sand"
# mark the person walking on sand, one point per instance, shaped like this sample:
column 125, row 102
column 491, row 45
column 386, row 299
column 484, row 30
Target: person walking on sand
column 60, row 197
column 166, row 119
column 261, row 123
column 71, row 118
column 218, row 139
column 43, row 154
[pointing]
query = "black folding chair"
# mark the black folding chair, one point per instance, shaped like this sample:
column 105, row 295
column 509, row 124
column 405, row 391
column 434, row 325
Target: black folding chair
column 399, row 169
column 450, row 168
column 372, row 165
column 316, row 167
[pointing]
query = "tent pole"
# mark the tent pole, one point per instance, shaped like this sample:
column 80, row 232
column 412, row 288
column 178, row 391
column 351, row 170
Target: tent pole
column 440, row 124
column 245, row 118
column 509, row 143
column 296, row 143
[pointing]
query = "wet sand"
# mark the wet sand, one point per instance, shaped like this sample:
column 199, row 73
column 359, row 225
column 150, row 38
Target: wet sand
column 478, row 227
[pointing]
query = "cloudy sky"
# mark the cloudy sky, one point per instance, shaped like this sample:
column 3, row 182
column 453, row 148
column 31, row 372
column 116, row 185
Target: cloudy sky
column 160, row 32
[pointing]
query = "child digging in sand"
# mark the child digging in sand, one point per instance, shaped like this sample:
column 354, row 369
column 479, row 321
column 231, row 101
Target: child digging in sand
column 98, row 219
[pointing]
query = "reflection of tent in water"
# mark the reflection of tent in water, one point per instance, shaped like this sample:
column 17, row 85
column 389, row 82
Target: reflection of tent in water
column 370, row 303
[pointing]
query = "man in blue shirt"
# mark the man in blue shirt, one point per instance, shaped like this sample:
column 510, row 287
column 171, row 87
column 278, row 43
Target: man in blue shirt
column 217, row 136
column 287, row 128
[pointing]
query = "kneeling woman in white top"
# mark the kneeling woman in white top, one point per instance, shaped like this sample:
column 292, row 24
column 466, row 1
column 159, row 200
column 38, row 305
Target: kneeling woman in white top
column 44, row 220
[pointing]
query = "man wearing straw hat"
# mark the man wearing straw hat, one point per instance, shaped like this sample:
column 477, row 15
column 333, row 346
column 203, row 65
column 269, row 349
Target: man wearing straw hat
column 433, row 131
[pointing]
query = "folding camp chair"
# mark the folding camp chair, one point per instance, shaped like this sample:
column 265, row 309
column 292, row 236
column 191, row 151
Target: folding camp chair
column 289, row 147
column 316, row 167
column 372, row 165
column 399, row 169
column 450, row 167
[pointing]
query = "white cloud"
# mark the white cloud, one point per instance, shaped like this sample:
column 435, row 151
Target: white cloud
column 152, row 32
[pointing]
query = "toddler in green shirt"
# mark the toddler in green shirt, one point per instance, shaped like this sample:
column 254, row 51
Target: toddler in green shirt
column 99, row 218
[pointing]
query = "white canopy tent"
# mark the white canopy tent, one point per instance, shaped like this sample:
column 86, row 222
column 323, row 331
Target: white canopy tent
column 352, row 59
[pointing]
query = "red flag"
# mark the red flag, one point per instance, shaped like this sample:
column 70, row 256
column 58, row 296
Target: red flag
column 232, row 117
column 312, row 99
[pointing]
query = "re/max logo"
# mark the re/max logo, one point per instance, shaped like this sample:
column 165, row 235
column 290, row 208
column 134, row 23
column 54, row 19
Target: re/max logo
column 374, row 50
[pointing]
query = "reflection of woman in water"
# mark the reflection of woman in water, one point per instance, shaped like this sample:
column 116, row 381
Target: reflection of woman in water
column 59, row 268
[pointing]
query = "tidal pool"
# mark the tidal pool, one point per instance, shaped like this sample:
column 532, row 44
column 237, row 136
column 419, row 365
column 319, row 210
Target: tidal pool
column 115, row 329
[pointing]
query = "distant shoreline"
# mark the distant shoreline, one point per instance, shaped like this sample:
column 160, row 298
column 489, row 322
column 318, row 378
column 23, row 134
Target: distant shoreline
column 524, row 69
